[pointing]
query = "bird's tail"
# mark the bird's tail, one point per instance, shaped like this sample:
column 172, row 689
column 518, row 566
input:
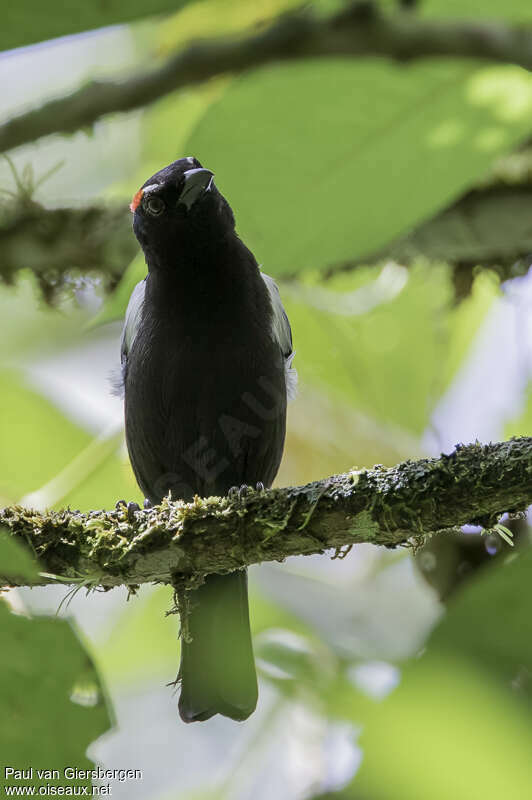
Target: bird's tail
column 217, row 666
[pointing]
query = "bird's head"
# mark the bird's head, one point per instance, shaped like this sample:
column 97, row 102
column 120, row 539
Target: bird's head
column 179, row 209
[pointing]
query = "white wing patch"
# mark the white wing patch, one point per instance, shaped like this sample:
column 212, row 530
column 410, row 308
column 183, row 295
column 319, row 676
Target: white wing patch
column 129, row 331
column 282, row 333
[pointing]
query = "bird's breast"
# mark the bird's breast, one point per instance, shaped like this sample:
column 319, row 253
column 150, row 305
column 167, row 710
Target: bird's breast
column 205, row 402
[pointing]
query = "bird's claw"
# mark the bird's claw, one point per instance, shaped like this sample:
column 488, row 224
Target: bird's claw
column 132, row 509
column 236, row 492
column 239, row 493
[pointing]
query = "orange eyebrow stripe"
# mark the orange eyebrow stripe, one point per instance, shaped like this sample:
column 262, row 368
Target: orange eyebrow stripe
column 136, row 200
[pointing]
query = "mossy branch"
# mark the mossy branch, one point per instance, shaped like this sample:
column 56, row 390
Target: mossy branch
column 61, row 243
column 361, row 29
column 384, row 506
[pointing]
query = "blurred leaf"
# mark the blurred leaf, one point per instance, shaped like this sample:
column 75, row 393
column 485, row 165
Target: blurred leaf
column 447, row 732
column 461, row 699
column 464, row 321
column 142, row 621
column 518, row 10
column 490, row 621
column 306, row 669
column 287, row 656
column 326, row 435
column 99, row 449
column 167, row 125
column 522, row 426
column 380, row 611
column 53, row 705
column 38, row 441
column 32, row 21
column 115, row 304
column 218, row 17
column 489, row 227
column 266, row 613
column 110, row 481
column 31, row 325
column 15, row 560
column 332, row 159
column 373, row 360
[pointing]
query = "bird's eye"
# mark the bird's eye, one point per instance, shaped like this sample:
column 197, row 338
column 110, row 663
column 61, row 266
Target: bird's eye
column 154, row 205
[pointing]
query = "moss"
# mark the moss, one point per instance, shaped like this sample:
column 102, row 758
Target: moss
column 386, row 506
column 363, row 525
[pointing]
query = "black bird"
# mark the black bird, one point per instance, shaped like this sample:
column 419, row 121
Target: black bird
column 207, row 369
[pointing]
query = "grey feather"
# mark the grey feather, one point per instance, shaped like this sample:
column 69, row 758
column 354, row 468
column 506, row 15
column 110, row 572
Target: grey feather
column 282, row 333
column 129, row 331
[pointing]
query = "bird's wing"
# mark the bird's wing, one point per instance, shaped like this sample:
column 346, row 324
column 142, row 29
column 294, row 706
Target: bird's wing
column 282, row 333
column 129, row 331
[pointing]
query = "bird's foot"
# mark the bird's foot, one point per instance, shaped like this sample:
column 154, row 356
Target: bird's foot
column 131, row 509
column 239, row 493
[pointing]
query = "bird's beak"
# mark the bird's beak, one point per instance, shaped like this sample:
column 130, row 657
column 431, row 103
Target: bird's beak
column 197, row 181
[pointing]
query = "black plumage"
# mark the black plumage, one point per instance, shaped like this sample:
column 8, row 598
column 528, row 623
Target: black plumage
column 206, row 363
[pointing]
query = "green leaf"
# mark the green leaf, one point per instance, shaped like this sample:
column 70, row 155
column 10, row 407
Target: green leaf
column 294, row 657
column 464, row 321
column 220, row 17
column 33, row 21
column 167, row 125
column 373, row 359
column 38, row 441
column 15, row 561
column 53, row 704
column 490, row 621
column 27, row 320
column 517, row 10
column 490, row 227
column 332, row 159
column 447, row 732
column 467, row 696
column 142, row 620
column 505, row 534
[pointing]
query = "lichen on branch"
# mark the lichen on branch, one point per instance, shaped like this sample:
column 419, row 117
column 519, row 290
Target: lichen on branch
column 383, row 506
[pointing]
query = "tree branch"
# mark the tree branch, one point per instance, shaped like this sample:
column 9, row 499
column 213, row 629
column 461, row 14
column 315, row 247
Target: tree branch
column 473, row 484
column 488, row 226
column 358, row 30
column 60, row 242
